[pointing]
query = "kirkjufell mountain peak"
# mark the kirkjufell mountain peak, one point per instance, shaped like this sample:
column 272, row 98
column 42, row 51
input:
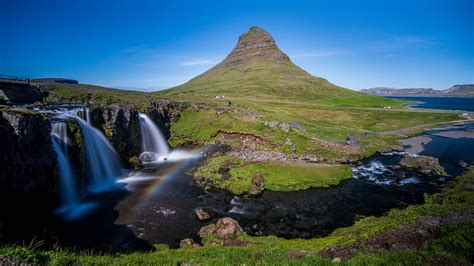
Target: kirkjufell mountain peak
column 257, row 68
column 255, row 44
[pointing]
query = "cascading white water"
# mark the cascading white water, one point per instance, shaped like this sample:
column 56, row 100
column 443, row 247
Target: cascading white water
column 154, row 145
column 69, row 191
column 102, row 163
column 88, row 115
column 84, row 113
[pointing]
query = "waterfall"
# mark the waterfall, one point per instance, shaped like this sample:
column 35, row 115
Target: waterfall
column 102, row 163
column 66, row 178
column 88, row 115
column 84, row 113
column 154, row 145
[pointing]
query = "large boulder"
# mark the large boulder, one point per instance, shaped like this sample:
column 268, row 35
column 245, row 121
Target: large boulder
column 225, row 228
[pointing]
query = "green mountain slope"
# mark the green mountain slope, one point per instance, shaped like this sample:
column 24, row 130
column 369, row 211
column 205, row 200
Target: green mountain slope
column 257, row 68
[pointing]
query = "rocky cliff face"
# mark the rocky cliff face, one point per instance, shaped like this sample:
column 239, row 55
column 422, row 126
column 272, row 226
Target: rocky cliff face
column 466, row 90
column 28, row 181
column 27, row 158
column 254, row 45
column 27, row 174
column 121, row 126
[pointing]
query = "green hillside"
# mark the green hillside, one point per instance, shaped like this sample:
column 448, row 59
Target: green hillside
column 257, row 69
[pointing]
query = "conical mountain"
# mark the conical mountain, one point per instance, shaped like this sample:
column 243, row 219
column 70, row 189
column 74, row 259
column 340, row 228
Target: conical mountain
column 257, row 69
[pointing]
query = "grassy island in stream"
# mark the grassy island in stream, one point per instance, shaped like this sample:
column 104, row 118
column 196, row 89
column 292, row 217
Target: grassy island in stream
column 239, row 177
column 438, row 231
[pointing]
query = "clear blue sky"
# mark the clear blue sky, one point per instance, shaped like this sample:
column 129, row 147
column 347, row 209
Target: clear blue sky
column 355, row 44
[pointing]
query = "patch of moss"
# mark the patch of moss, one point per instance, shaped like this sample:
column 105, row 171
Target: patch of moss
column 74, row 132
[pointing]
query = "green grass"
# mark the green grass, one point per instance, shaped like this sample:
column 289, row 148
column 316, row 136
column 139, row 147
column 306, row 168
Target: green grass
column 326, row 123
column 287, row 177
column 91, row 94
column 279, row 176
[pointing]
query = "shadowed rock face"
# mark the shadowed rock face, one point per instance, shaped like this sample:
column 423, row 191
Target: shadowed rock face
column 255, row 44
column 121, row 126
column 27, row 159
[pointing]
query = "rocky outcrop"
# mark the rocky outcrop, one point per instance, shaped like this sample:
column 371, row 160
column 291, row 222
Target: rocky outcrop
column 202, row 214
column 425, row 164
column 225, row 228
column 226, row 232
column 188, row 242
column 27, row 159
column 255, row 43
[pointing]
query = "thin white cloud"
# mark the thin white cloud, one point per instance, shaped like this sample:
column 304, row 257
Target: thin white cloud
column 320, row 54
column 199, row 62
column 398, row 43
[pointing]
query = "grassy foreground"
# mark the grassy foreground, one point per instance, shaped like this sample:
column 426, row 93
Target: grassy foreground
column 449, row 242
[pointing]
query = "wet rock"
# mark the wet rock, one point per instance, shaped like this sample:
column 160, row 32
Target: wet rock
column 225, row 229
column 187, row 242
column 425, row 164
column 206, row 231
column 202, row 214
column 28, row 184
column 120, row 124
column 257, row 185
column 27, row 158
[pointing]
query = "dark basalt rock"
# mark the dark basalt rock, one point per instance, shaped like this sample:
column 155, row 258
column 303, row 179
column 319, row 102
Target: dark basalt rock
column 27, row 158
column 120, row 124
column 27, row 174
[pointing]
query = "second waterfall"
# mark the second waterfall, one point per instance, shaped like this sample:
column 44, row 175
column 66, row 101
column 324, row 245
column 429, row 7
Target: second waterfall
column 154, row 145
